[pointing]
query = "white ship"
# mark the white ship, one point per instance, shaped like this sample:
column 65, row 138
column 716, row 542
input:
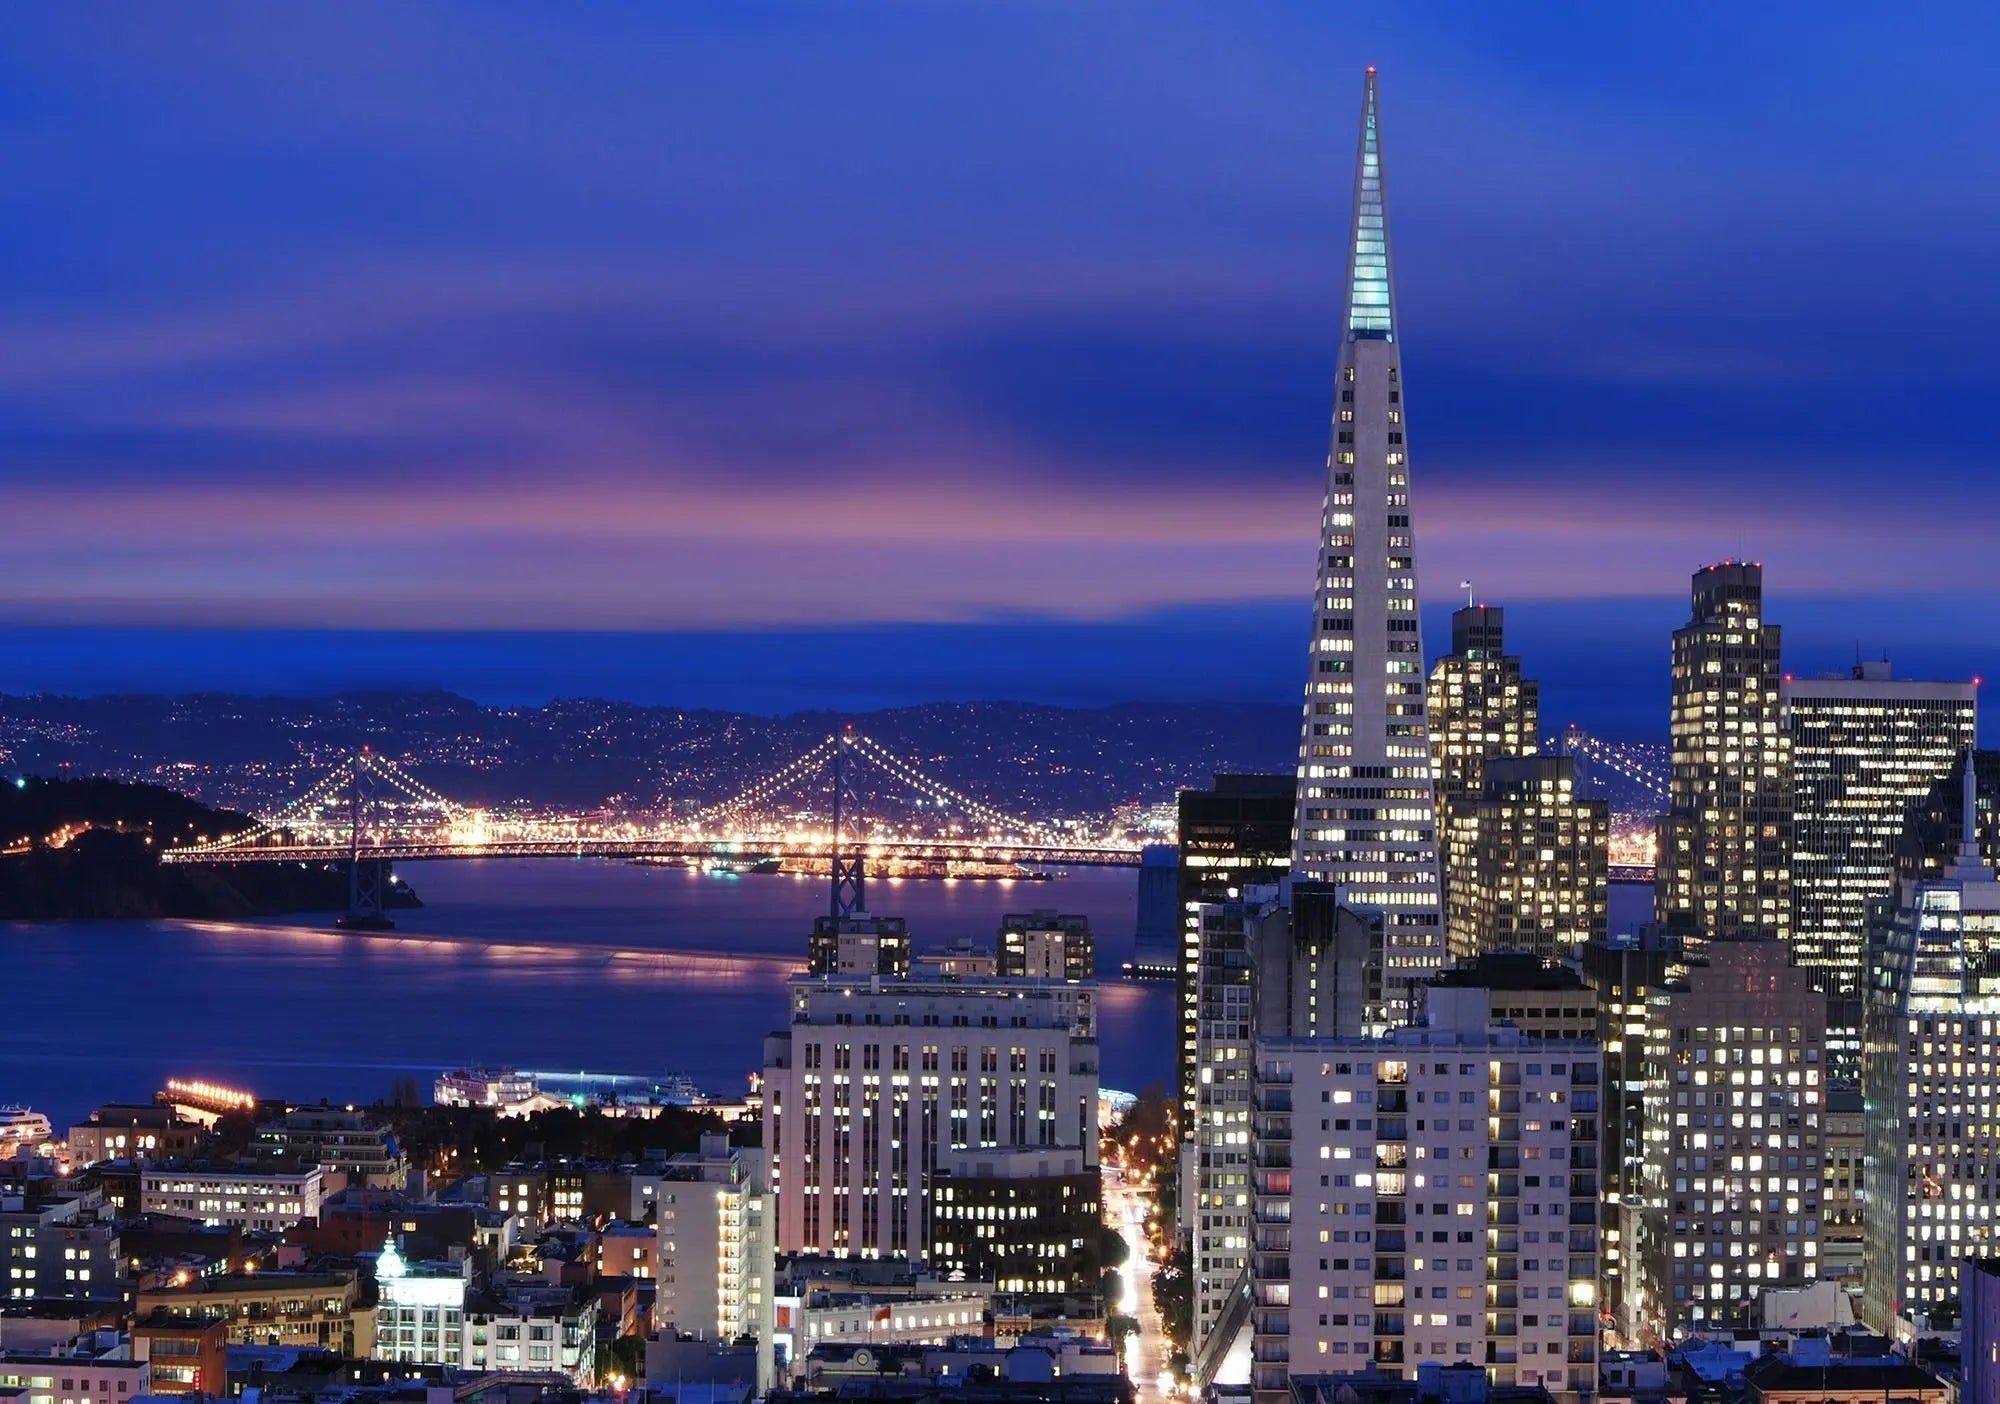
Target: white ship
column 22, row 1127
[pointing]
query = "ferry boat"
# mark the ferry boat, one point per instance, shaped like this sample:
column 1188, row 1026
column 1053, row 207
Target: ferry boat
column 21, row 1127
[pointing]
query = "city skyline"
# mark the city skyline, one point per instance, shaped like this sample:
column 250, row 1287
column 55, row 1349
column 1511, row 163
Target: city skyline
column 638, row 360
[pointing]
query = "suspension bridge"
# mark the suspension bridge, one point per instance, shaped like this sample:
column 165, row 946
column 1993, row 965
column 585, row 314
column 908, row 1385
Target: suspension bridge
column 1634, row 776
column 369, row 811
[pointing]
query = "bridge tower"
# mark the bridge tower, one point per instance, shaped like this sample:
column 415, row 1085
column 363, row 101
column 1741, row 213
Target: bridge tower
column 849, row 898
column 367, row 878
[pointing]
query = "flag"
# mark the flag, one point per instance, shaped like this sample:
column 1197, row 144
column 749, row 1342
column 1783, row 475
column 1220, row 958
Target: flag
column 883, row 1315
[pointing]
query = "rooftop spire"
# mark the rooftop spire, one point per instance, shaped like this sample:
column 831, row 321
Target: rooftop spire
column 1370, row 301
column 1967, row 865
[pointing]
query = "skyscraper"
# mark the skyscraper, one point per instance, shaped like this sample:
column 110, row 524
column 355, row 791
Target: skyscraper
column 1365, row 820
column 1928, row 1065
column 1866, row 749
column 1480, row 706
column 1725, row 847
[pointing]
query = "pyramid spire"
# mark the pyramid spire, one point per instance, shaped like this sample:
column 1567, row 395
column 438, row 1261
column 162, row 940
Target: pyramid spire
column 1371, row 307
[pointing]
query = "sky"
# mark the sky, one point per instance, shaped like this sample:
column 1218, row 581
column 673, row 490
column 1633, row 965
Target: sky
column 804, row 355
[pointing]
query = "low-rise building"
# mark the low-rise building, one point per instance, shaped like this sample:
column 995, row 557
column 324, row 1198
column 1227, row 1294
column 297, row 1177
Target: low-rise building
column 227, row 1194
column 188, row 1354
column 292, row 1309
column 628, row 1250
column 95, row 1369
column 528, row 1325
column 337, row 1139
column 420, row 1314
column 134, row 1131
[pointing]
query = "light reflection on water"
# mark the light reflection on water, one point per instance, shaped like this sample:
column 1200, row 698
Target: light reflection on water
column 550, row 964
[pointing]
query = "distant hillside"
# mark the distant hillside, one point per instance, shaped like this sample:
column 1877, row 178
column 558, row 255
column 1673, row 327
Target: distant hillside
column 251, row 752
column 87, row 849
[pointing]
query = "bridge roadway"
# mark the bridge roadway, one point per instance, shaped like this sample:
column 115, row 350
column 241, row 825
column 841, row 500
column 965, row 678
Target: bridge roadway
column 747, row 849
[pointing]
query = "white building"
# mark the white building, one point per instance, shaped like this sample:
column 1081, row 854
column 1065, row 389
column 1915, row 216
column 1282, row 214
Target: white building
column 534, row 1327
column 1427, row 1198
column 90, row 1373
column 877, row 1082
column 1930, row 1070
column 252, row 1199
column 715, row 1251
column 1365, row 819
column 420, row 1318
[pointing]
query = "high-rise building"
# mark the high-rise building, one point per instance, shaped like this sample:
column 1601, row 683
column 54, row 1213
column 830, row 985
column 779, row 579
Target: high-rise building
column 1625, row 972
column 1979, row 1347
column 878, row 1083
column 1866, row 749
column 1725, row 846
column 1234, row 836
column 1735, row 1133
column 1427, row 1198
column 1930, row 1069
column 1841, row 1206
column 1365, row 819
column 714, row 1245
column 1276, row 964
column 1047, row 945
column 1528, row 862
column 1480, row 706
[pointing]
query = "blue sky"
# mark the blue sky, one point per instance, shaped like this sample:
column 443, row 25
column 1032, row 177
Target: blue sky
column 630, row 350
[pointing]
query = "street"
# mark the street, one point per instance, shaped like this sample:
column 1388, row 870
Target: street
column 1146, row 1348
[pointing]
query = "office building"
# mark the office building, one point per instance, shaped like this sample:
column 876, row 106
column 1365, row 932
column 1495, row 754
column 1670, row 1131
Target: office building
column 1281, row 962
column 1725, row 845
column 1027, row 1221
column 860, row 945
column 1528, row 862
column 1480, row 708
column 233, row 1195
column 1624, row 972
column 1427, row 1198
column 876, row 1084
column 1047, row 945
column 1233, row 836
column 185, row 1356
column 1931, row 840
column 1930, row 1070
column 1866, row 749
column 1366, row 820
column 1735, row 1141
column 715, row 1245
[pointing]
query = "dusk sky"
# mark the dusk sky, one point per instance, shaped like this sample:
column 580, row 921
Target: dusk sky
column 786, row 356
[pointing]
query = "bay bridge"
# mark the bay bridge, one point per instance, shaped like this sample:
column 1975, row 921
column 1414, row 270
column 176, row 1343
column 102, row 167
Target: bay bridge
column 369, row 811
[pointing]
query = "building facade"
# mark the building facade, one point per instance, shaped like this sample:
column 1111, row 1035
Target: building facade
column 337, row 1139
column 1281, row 962
column 1366, row 818
column 244, row 1198
column 1725, row 845
column 715, row 1245
column 1528, row 862
column 1233, row 836
column 1866, row 749
column 1625, row 972
column 877, row 1084
column 859, row 945
column 1735, row 1141
column 1047, row 945
column 60, row 1246
column 1930, row 1069
column 420, row 1312
column 1027, row 1221
column 1427, row 1198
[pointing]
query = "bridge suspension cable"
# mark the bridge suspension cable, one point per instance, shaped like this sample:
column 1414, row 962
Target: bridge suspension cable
column 322, row 789
column 880, row 755
column 771, row 785
column 1624, row 761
